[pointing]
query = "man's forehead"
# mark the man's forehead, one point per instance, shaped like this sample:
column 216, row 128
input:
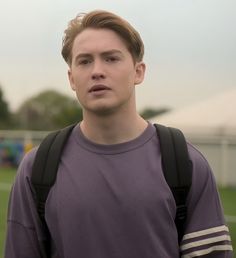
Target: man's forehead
column 101, row 39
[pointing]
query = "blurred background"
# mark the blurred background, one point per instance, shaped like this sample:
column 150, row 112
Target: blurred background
column 190, row 53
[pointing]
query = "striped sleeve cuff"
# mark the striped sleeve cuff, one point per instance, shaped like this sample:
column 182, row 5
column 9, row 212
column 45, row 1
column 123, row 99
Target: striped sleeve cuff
column 199, row 243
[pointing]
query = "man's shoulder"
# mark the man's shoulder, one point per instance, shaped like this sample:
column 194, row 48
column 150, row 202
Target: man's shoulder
column 30, row 156
column 196, row 156
column 202, row 174
column 26, row 164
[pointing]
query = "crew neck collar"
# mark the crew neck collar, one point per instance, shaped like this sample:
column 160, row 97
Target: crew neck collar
column 113, row 148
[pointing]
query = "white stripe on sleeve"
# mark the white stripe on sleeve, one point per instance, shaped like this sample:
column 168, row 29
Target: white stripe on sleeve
column 203, row 242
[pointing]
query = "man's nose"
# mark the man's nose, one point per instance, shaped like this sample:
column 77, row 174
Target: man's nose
column 98, row 71
column 97, row 76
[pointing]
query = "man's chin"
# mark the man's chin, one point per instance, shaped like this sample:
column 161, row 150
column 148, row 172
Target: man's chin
column 102, row 110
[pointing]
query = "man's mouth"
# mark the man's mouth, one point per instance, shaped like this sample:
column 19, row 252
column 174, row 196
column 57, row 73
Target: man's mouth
column 97, row 88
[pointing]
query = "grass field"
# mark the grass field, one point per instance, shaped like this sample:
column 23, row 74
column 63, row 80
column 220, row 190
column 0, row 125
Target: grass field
column 228, row 197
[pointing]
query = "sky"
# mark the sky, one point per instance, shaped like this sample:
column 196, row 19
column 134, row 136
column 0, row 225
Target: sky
column 190, row 47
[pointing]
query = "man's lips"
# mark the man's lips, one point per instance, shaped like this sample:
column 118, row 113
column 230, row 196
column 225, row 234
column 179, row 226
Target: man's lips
column 99, row 87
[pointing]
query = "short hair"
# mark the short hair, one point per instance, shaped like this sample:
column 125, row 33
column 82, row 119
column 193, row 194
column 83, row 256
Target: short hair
column 100, row 19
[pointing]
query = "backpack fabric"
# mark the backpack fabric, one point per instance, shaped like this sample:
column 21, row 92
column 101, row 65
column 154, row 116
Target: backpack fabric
column 176, row 165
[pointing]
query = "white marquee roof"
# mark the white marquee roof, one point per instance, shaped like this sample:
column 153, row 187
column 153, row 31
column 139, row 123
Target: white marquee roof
column 216, row 115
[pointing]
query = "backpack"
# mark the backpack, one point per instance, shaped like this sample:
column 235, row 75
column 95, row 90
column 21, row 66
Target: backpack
column 176, row 165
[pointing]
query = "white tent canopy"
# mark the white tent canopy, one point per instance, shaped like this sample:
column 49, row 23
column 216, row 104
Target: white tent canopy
column 216, row 116
column 211, row 126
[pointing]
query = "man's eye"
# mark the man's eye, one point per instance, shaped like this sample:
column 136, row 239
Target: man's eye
column 84, row 61
column 112, row 59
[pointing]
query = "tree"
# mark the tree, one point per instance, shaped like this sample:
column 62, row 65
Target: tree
column 5, row 115
column 49, row 110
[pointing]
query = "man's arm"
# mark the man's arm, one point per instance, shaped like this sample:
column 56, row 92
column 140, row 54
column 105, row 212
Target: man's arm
column 25, row 236
column 206, row 233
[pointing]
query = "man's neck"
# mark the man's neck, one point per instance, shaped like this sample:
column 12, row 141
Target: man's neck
column 112, row 129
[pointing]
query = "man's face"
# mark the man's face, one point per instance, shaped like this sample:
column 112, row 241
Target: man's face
column 103, row 73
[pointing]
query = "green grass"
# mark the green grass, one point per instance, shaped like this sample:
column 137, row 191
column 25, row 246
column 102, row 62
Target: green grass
column 228, row 197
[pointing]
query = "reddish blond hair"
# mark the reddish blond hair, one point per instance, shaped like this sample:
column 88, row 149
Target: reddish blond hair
column 102, row 20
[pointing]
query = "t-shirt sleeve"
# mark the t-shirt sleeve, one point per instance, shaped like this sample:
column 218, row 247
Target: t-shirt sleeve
column 25, row 236
column 206, row 233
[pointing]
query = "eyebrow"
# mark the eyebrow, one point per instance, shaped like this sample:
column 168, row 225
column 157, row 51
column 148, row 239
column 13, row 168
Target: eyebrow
column 105, row 53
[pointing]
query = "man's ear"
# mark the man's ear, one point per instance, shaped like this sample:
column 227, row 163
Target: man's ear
column 71, row 79
column 140, row 69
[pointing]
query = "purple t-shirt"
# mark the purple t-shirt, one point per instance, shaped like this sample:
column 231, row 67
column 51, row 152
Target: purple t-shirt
column 112, row 201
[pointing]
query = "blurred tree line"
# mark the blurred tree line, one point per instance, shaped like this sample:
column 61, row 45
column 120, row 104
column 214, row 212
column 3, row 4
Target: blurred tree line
column 49, row 110
column 5, row 115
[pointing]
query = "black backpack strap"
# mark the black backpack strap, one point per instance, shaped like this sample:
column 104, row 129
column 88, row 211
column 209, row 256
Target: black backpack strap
column 177, row 169
column 45, row 166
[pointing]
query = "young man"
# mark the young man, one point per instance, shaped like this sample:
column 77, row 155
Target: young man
column 110, row 198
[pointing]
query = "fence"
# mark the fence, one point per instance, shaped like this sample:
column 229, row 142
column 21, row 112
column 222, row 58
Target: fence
column 220, row 152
